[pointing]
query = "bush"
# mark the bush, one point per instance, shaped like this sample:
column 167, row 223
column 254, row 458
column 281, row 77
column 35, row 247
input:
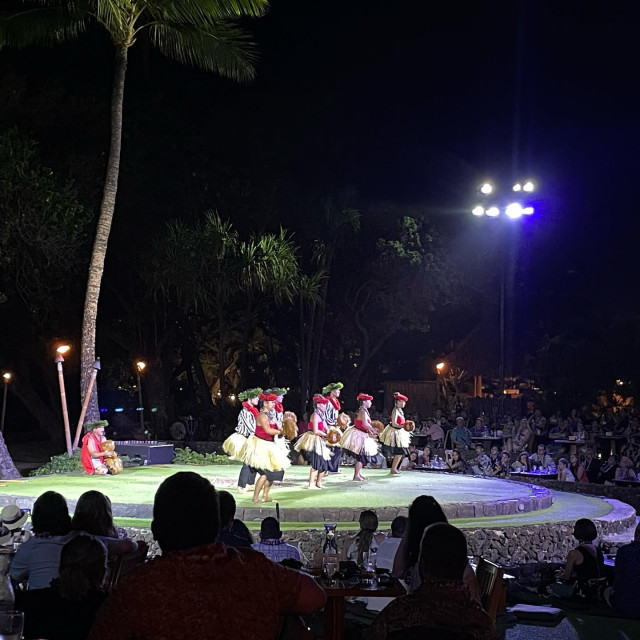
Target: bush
column 187, row 456
column 60, row 464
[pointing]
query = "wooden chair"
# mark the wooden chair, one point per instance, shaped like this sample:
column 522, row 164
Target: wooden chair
column 491, row 584
column 126, row 563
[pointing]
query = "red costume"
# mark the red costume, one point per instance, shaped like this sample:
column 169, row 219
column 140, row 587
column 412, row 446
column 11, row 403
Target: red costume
column 85, row 454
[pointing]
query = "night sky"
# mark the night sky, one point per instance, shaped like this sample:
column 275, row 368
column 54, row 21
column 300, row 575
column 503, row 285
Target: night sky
column 411, row 102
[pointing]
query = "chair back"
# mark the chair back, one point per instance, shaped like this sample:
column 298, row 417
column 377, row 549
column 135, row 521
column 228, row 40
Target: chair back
column 491, row 585
column 126, row 563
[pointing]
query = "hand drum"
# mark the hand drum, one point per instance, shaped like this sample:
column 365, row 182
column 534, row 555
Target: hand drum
column 334, row 435
column 409, row 426
column 378, row 426
column 289, row 428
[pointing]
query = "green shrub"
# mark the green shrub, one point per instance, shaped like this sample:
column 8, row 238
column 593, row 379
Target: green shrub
column 187, row 456
column 60, row 464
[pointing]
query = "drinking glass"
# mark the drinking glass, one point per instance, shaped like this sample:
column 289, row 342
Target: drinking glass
column 330, row 566
column 11, row 625
column 369, row 569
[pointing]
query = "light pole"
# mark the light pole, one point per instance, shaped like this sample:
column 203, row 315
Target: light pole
column 6, row 376
column 140, row 367
column 514, row 206
column 60, row 351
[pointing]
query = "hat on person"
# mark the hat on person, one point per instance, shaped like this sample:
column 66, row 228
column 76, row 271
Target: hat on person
column 13, row 517
column 5, row 535
column 364, row 396
column 90, row 426
column 279, row 391
column 331, row 387
column 249, row 393
column 398, row 396
column 318, row 399
column 268, row 397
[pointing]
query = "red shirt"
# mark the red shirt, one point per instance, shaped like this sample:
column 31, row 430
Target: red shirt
column 202, row 593
column 262, row 434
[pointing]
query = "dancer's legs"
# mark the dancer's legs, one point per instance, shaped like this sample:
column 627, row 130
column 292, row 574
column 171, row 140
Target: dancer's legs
column 259, row 485
column 357, row 475
column 319, row 480
column 395, row 463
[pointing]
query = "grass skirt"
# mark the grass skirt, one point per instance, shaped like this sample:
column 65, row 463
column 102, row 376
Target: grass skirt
column 265, row 455
column 359, row 445
column 314, row 450
column 395, row 442
column 233, row 445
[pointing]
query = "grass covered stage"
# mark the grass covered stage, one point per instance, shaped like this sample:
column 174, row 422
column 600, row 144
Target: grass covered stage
column 137, row 486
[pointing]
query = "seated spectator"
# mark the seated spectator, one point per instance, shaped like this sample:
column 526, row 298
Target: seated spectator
column 625, row 470
column 273, row 545
column 577, row 468
column 481, row 464
column 584, row 563
column 66, row 609
column 455, row 462
column 460, row 435
column 442, row 601
column 37, row 559
column 564, row 473
column 435, row 433
column 608, row 470
column 93, row 516
column 523, row 463
column 478, row 427
column 240, row 529
column 425, row 458
column 239, row 594
column 591, row 465
column 411, row 462
column 494, row 454
column 365, row 539
column 503, row 466
column 227, row 515
column 386, row 555
column 560, row 430
column 623, row 596
column 580, row 432
column 541, row 458
column 521, row 438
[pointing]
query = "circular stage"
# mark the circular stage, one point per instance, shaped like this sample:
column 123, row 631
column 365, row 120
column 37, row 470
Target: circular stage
column 471, row 501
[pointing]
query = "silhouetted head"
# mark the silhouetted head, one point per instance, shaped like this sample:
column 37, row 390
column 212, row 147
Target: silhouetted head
column 227, row 509
column 51, row 514
column 443, row 553
column 83, row 567
column 93, row 515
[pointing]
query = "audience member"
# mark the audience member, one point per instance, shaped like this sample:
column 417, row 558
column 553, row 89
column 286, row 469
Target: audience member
column 494, row 455
column 481, row 464
column 503, row 466
column 623, row 596
column 564, row 473
column 365, row 539
column 460, row 435
column 425, row 457
column 203, row 584
column 410, row 462
column 37, row 560
column 625, row 470
column 435, row 433
column 66, row 609
column 240, row 529
column 584, row 563
column 523, row 463
column 608, row 470
column 591, row 465
column 541, row 458
column 442, row 602
column 455, row 462
column 577, row 468
column 227, row 514
column 93, row 516
column 273, row 545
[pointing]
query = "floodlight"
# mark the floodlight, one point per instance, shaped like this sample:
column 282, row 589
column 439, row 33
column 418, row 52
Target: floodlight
column 141, row 365
column 528, row 186
column 6, row 376
column 517, row 187
column 528, row 211
column 486, row 188
column 63, row 348
column 492, row 212
column 513, row 210
column 478, row 211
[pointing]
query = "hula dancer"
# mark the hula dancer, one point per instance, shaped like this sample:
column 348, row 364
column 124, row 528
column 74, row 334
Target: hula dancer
column 245, row 428
column 312, row 445
column 359, row 439
column 262, row 454
column 332, row 393
column 92, row 456
column 395, row 439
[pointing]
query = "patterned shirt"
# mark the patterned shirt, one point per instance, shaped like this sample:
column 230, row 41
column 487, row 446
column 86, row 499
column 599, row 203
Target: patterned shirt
column 446, row 604
column 246, row 423
column 277, row 550
column 330, row 415
column 200, row 594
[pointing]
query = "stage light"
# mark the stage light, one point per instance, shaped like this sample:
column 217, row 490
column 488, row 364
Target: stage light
column 528, row 211
column 514, row 210
column 492, row 212
column 528, row 186
column 517, row 187
column 478, row 211
column 141, row 365
column 486, row 188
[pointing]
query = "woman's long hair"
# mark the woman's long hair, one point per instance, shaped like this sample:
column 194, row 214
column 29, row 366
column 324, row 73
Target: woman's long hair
column 424, row 510
column 51, row 515
column 93, row 515
column 83, row 566
column 368, row 526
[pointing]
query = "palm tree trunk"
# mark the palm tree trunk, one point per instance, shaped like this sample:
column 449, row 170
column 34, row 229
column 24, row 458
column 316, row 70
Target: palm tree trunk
column 107, row 208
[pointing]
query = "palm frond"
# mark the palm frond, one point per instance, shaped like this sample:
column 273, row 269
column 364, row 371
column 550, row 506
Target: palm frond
column 43, row 26
column 199, row 12
column 223, row 49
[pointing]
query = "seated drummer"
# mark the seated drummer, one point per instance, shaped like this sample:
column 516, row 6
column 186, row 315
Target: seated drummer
column 92, row 455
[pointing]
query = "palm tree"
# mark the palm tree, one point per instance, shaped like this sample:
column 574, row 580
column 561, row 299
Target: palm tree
column 201, row 33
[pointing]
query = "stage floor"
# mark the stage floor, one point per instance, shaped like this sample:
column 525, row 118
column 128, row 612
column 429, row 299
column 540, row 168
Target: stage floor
column 132, row 493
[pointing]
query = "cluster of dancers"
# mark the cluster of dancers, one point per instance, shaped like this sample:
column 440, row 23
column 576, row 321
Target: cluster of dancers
column 262, row 438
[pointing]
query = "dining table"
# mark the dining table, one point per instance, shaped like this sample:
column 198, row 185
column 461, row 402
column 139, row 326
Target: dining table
column 338, row 591
column 612, row 440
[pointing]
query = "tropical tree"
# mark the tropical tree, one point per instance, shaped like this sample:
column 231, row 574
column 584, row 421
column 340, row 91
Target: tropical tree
column 201, row 33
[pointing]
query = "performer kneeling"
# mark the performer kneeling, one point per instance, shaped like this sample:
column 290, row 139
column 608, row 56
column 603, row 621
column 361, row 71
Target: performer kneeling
column 359, row 439
column 395, row 440
column 262, row 454
column 92, row 456
column 312, row 445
